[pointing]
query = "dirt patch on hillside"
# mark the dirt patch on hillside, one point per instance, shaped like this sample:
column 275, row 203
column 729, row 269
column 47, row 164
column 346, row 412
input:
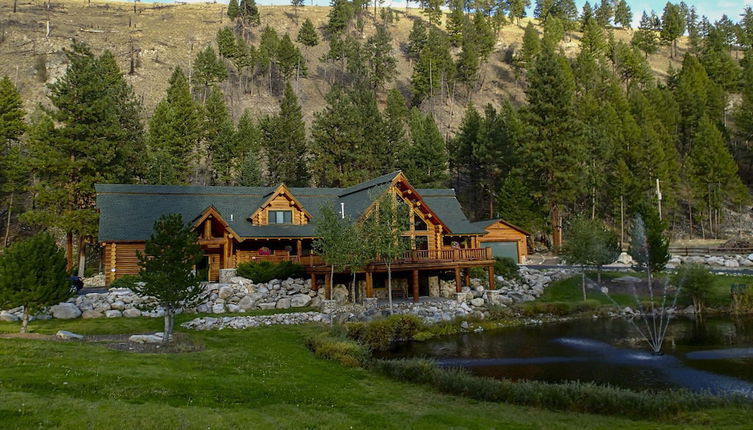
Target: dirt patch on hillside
column 181, row 342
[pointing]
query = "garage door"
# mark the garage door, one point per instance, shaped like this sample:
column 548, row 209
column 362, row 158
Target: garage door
column 503, row 249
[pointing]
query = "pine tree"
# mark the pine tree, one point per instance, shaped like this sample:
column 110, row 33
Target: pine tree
column 307, row 35
column 208, row 70
column 233, row 10
column 226, row 43
column 456, row 21
column 433, row 68
column 646, row 38
column 531, row 47
column 175, row 130
column 426, row 158
column 247, row 146
column 217, row 138
column 432, row 10
column 586, row 16
column 289, row 59
column 296, row 4
column 623, row 16
column 284, row 143
column 249, row 12
column 553, row 147
column 517, row 8
column 395, row 118
column 672, row 26
column 593, row 42
column 554, row 32
column 92, row 135
column 339, row 17
column 382, row 64
column 14, row 173
column 417, row 39
column 604, row 13
column 743, row 113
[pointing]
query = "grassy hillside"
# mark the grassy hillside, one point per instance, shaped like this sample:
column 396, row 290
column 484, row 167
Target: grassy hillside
column 168, row 35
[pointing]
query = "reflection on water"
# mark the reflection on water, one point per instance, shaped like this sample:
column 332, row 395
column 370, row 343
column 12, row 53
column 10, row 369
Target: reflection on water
column 715, row 355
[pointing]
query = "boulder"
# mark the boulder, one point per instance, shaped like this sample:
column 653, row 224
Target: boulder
column 62, row 334
column 340, row 294
column 8, row 317
column 131, row 313
column 731, row 263
column 218, row 308
column 65, row 311
column 283, row 303
column 625, row 258
column 246, row 303
column 267, row 305
column 226, row 292
column 477, row 302
column 233, row 308
column 113, row 313
column 750, row 257
column 300, row 300
column 118, row 305
column 91, row 314
column 145, row 338
column 226, row 275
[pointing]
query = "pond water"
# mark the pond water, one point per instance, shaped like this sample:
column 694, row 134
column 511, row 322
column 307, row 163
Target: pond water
column 713, row 355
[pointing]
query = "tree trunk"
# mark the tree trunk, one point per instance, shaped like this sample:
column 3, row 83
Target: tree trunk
column 331, row 282
column 353, row 289
column 25, row 320
column 556, row 233
column 69, row 251
column 7, row 223
column 14, row 5
column 168, row 333
column 583, row 282
column 81, row 256
column 389, row 287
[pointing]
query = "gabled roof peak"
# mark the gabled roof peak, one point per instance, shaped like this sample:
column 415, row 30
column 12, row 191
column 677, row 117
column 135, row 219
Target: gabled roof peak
column 384, row 179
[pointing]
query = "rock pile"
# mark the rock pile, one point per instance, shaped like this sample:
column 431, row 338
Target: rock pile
column 212, row 323
column 725, row 261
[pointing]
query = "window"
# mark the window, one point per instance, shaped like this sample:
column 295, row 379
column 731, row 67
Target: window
column 280, row 217
column 418, row 223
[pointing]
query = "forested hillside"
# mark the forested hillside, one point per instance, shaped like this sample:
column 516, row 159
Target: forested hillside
column 534, row 120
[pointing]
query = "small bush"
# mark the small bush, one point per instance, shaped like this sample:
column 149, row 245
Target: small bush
column 569, row 396
column 344, row 351
column 126, row 281
column 696, row 282
column 265, row 271
column 382, row 334
column 499, row 312
column 742, row 299
column 506, row 267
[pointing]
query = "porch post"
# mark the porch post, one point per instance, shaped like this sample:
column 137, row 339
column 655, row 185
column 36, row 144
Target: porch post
column 327, row 289
column 492, row 284
column 369, row 284
column 314, row 287
column 299, row 247
column 415, row 285
column 458, row 286
column 467, row 276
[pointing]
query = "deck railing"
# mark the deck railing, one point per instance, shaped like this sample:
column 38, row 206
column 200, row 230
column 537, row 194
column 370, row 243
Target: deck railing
column 413, row 256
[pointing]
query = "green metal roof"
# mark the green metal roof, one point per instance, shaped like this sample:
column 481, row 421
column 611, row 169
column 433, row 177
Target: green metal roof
column 128, row 212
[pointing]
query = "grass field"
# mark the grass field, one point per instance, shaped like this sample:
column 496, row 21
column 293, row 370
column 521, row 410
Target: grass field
column 569, row 290
column 258, row 378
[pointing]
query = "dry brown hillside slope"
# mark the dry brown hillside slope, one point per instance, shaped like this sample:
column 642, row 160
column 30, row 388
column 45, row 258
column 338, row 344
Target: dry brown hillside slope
column 169, row 35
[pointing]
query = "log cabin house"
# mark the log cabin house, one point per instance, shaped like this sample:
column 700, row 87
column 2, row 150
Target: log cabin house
column 243, row 224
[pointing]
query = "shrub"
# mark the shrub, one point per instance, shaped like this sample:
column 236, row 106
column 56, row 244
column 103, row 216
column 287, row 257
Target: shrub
column 569, row 396
column 506, row 267
column 742, row 299
column 265, row 271
column 125, row 281
column 382, row 334
column 344, row 351
column 696, row 283
column 499, row 312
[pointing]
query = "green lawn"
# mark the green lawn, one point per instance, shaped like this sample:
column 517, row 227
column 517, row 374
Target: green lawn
column 569, row 290
column 258, row 378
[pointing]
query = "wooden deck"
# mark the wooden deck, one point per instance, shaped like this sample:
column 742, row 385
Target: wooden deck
column 411, row 259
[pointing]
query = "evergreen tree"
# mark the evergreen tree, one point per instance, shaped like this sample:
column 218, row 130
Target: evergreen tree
column 33, row 275
column 339, row 17
column 218, row 138
column 531, row 46
column 593, row 42
column 208, row 70
column 284, row 143
column 554, row 32
column 586, row 15
column 167, row 268
column 175, row 130
column 289, row 59
column 91, row 135
column 12, row 112
column 395, row 118
column 307, row 35
column 249, row 12
column 382, row 64
column 743, row 113
column 746, row 23
column 434, row 66
column 517, row 8
column 645, row 38
column 553, row 146
column 226, row 44
column 14, row 174
column 432, row 10
column 623, row 16
column 417, row 39
column 604, row 13
column 247, row 146
column 515, row 204
column 426, row 158
column 672, row 26
column 296, row 4
column 233, row 10
column 456, row 22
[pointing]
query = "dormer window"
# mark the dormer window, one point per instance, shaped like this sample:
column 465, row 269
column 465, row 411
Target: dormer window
column 280, row 217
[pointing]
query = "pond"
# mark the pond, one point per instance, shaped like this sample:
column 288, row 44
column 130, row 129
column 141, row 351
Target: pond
column 713, row 355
